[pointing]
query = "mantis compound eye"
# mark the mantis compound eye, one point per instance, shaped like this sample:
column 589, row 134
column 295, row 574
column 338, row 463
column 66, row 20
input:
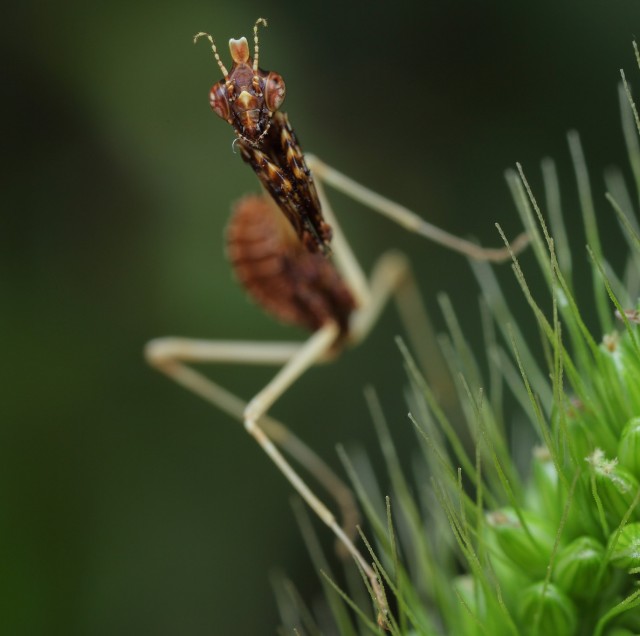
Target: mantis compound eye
column 219, row 100
column 274, row 91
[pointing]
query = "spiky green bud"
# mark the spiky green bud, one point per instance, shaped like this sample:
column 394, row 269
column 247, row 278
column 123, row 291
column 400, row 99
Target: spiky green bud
column 629, row 447
column 529, row 545
column 615, row 486
column 625, row 548
column 544, row 609
column 543, row 494
column 578, row 566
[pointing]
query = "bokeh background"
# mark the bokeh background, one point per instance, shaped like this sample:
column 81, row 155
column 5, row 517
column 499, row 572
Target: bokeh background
column 128, row 506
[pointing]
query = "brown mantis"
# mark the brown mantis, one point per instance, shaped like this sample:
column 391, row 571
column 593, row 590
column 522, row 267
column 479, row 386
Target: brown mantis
column 280, row 248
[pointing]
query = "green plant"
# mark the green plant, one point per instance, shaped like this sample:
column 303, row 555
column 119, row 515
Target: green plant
column 474, row 547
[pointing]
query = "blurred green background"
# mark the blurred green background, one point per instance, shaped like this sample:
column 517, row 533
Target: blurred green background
column 128, row 505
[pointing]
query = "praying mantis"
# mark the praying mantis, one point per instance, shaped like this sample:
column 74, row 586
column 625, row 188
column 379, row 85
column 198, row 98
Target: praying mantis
column 288, row 251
